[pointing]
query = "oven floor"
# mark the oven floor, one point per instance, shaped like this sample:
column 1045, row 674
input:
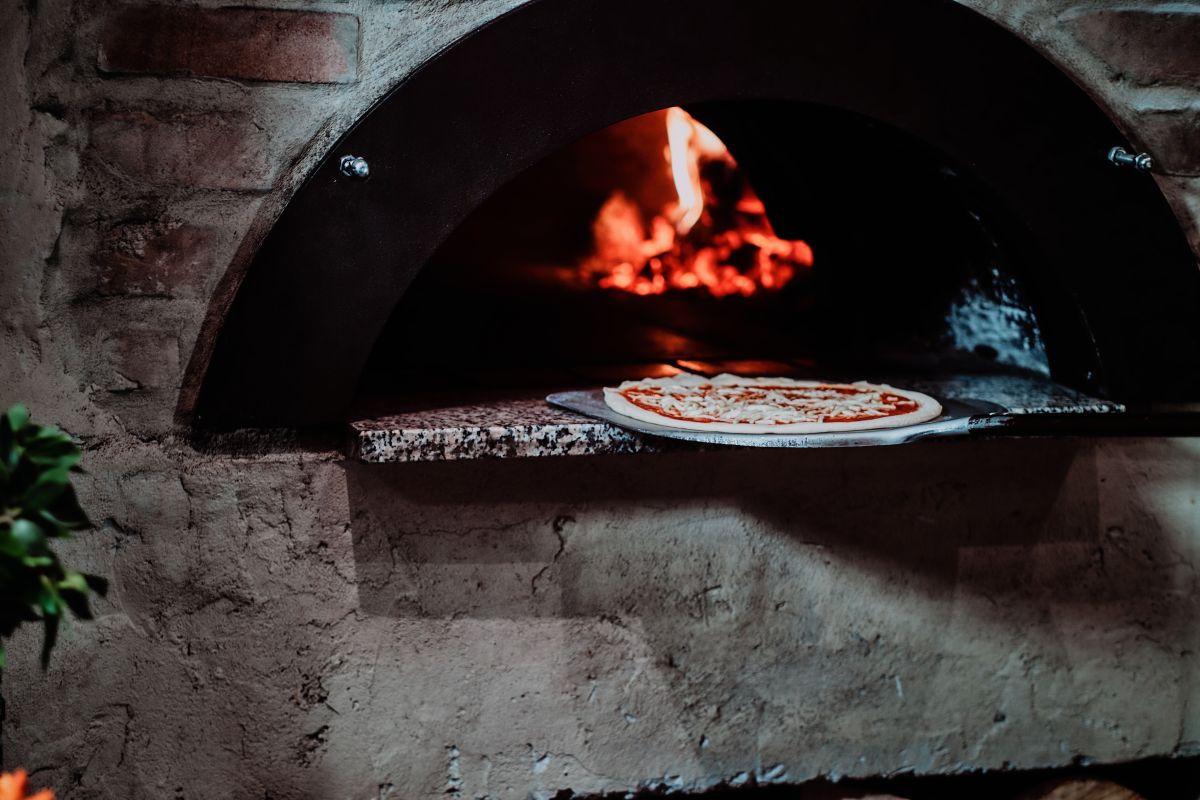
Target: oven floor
column 518, row 423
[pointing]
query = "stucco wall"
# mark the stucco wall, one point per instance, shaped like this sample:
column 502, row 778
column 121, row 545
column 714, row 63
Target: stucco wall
column 289, row 625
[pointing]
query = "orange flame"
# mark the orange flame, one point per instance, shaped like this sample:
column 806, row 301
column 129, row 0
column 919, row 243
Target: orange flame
column 725, row 245
column 685, row 169
column 13, row 786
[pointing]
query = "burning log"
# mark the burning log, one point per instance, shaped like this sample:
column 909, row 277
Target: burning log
column 715, row 235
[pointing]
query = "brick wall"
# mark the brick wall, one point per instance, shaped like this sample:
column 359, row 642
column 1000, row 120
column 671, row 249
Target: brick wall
column 147, row 148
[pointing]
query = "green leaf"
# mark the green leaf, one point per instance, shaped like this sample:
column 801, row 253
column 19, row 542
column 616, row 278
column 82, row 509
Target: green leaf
column 48, row 486
column 49, row 599
column 28, row 534
column 21, row 478
column 36, row 436
column 54, row 527
column 18, row 417
column 65, row 511
column 46, row 432
column 73, row 582
column 38, row 505
column 57, row 452
column 9, row 453
column 10, row 546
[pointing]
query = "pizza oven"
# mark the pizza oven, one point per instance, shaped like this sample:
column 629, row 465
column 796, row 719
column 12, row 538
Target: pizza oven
column 863, row 190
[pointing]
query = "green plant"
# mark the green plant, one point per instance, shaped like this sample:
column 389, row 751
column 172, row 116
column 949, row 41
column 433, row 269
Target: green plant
column 38, row 505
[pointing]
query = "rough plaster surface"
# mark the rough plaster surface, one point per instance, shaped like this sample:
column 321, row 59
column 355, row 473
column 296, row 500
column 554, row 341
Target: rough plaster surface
column 289, row 625
column 303, row 627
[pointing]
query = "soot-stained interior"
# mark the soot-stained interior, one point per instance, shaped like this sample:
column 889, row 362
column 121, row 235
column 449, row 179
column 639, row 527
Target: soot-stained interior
column 916, row 268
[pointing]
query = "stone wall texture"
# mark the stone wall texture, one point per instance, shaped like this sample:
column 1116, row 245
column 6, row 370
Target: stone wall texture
column 287, row 624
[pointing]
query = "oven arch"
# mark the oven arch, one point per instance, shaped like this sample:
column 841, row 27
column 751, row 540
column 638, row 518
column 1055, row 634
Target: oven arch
column 333, row 267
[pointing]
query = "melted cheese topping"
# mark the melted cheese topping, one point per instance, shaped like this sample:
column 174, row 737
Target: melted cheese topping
column 760, row 404
column 770, row 405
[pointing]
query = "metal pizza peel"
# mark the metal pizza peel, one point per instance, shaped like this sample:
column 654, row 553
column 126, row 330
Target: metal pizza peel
column 955, row 421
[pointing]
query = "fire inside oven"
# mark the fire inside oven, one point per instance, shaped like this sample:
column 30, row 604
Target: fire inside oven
column 648, row 247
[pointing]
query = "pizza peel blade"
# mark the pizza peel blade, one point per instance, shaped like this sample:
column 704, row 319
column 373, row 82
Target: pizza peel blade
column 954, row 422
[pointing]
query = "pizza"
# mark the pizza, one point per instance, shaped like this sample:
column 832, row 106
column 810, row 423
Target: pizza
column 732, row 404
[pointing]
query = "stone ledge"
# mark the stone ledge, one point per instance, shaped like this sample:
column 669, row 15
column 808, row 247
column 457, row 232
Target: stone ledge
column 531, row 428
column 524, row 428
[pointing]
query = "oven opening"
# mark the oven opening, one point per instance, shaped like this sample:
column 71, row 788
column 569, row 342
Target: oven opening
column 853, row 210
column 685, row 239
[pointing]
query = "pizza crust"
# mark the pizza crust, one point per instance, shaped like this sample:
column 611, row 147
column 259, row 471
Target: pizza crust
column 721, row 421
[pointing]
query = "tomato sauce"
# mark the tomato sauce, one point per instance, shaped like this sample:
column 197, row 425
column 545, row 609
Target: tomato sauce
column 887, row 403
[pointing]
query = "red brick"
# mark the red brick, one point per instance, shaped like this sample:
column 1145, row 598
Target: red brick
column 154, row 258
column 1144, row 45
column 250, row 44
column 214, row 151
column 1173, row 137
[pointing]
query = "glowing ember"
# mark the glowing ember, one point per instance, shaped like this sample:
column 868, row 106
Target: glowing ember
column 715, row 234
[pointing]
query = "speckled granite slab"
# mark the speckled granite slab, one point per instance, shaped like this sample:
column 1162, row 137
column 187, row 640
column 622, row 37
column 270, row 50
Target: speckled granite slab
column 531, row 428
column 524, row 428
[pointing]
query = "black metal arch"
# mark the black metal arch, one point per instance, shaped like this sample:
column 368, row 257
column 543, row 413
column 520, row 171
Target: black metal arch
column 342, row 254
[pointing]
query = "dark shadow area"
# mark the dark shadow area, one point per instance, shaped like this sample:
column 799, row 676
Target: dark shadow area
column 487, row 538
column 1153, row 778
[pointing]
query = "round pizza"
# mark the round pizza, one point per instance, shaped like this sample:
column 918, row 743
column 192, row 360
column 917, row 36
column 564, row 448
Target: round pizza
column 732, row 404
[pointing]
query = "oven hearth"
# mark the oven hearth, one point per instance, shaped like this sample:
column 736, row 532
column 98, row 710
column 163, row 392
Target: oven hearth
column 523, row 426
